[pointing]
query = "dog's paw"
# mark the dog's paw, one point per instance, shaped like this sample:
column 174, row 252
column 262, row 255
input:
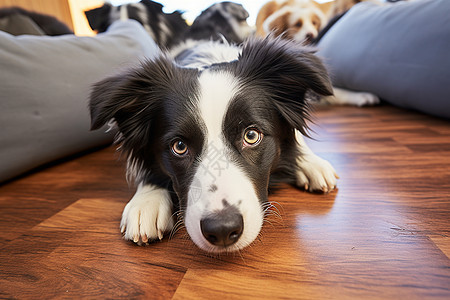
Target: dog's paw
column 347, row 97
column 315, row 174
column 365, row 99
column 148, row 215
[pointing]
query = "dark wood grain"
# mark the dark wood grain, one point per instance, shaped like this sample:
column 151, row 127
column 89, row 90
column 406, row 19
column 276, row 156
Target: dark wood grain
column 383, row 234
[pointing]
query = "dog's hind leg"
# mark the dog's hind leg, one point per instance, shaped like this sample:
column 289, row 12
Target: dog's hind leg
column 313, row 173
column 148, row 215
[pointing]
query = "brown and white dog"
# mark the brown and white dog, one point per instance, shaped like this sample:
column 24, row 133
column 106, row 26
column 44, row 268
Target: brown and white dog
column 299, row 20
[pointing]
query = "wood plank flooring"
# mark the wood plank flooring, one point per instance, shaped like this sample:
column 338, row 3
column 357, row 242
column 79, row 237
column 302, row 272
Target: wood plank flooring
column 384, row 234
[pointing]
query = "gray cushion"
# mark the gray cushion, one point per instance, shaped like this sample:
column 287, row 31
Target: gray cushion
column 400, row 52
column 45, row 83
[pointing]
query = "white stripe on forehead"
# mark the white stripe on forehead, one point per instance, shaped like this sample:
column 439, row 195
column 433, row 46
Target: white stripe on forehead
column 216, row 91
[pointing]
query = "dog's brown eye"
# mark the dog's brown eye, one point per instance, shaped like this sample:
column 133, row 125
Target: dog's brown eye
column 299, row 24
column 252, row 137
column 179, row 148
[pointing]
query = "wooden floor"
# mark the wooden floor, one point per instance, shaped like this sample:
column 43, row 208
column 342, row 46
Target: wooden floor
column 384, row 234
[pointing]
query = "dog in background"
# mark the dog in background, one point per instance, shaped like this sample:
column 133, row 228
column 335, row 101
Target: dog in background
column 299, row 20
column 165, row 29
column 224, row 20
column 302, row 21
column 221, row 20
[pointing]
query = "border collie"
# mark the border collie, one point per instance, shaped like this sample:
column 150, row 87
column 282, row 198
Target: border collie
column 165, row 29
column 205, row 134
column 224, row 20
column 221, row 20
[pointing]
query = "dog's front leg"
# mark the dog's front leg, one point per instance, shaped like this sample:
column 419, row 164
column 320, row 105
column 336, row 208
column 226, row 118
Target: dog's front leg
column 148, row 214
column 313, row 173
column 347, row 97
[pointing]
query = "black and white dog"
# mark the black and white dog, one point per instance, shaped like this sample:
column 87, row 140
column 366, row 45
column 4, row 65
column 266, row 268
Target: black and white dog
column 214, row 128
column 224, row 20
column 165, row 29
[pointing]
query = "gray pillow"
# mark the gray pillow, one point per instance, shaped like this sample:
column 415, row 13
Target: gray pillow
column 45, row 83
column 400, row 52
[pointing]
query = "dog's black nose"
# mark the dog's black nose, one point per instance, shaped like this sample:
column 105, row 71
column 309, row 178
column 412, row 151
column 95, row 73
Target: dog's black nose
column 223, row 228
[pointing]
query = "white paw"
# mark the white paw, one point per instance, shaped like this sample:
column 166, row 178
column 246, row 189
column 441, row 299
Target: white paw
column 347, row 97
column 365, row 99
column 148, row 215
column 316, row 174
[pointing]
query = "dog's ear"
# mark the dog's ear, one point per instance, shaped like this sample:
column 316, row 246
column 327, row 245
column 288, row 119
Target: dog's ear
column 286, row 71
column 134, row 100
column 113, row 99
column 98, row 18
column 131, row 100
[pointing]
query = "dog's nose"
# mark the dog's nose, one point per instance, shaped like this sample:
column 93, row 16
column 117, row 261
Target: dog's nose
column 223, row 228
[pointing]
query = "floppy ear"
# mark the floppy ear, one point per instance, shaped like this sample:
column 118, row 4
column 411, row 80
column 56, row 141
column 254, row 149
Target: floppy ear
column 286, row 71
column 120, row 98
column 133, row 100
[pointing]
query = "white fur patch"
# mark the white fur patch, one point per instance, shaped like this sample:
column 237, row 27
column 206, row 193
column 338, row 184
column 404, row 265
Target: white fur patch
column 148, row 215
column 216, row 168
column 216, row 91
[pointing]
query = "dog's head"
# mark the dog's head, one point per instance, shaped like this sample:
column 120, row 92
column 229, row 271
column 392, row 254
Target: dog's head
column 215, row 135
column 165, row 29
column 222, row 20
column 299, row 23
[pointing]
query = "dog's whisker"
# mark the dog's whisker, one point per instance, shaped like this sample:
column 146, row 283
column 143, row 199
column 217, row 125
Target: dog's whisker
column 277, row 206
column 275, row 214
column 178, row 225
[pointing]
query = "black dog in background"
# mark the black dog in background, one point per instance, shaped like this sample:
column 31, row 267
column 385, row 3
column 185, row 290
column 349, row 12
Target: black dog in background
column 221, row 20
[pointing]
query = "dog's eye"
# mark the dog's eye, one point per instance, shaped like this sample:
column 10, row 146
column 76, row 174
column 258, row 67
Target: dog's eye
column 252, row 137
column 299, row 24
column 179, row 148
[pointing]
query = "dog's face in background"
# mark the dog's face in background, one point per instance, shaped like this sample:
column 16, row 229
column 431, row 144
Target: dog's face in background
column 299, row 20
column 214, row 136
column 165, row 29
column 299, row 24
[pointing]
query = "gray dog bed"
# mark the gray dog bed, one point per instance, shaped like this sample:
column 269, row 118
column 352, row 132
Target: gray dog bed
column 45, row 84
column 400, row 52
